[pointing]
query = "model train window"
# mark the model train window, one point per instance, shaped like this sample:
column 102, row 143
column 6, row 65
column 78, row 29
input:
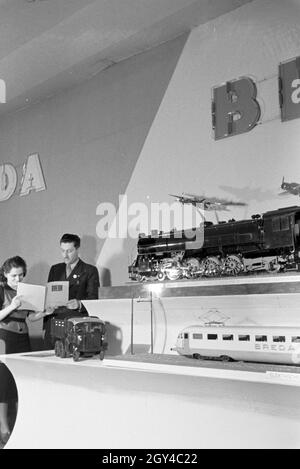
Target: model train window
column 197, row 336
column 227, row 337
column 244, row 337
column 280, row 224
column 284, row 223
column 276, row 224
column 185, row 335
column 212, row 336
column 296, row 338
column 244, row 237
column 261, row 338
column 278, row 338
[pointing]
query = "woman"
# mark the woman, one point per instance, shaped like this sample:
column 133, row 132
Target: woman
column 14, row 337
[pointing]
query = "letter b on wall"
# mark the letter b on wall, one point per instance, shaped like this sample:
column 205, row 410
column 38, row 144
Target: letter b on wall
column 234, row 108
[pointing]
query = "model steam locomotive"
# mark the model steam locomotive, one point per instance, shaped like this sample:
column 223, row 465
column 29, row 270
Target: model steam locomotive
column 270, row 242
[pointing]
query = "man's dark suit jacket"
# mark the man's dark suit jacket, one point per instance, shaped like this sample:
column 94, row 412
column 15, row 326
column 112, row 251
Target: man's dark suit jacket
column 83, row 285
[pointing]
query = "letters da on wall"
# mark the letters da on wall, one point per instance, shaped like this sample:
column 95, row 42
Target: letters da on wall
column 235, row 109
column 32, row 178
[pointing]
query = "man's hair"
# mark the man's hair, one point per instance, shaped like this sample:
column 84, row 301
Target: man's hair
column 70, row 238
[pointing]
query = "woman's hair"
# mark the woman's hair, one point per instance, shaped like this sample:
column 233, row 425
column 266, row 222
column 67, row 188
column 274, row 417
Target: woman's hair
column 6, row 267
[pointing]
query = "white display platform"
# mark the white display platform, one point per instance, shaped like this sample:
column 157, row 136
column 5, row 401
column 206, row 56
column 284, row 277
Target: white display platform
column 266, row 300
column 127, row 404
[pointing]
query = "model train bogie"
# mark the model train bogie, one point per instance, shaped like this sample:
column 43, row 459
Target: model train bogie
column 269, row 243
column 78, row 337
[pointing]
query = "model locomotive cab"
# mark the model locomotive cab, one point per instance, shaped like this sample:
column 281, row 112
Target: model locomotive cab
column 79, row 337
column 270, row 242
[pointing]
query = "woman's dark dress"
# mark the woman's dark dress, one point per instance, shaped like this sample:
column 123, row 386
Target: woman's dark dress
column 14, row 338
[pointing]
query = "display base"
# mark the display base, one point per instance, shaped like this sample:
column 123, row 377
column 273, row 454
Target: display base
column 124, row 403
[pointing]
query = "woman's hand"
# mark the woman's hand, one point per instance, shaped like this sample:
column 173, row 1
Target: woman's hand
column 40, row 314
column 16, row 302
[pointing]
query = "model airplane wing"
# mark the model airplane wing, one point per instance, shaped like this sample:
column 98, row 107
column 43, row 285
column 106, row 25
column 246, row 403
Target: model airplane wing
column 232, row 202
column 187, row 198
column 195, row 197
column 284, row 193
column 209, row 203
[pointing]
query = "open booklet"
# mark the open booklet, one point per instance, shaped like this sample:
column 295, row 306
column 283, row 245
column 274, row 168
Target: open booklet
column 39, row 297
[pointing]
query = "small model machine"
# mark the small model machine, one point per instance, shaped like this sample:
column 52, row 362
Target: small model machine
column 84, row 336
column 277, row 344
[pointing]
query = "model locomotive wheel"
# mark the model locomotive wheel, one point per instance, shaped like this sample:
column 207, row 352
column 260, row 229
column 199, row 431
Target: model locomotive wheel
column 57, row 348
column 101, row 354
column 212, row 266
column 193, row 265
column 161, row 276
column 173, row 274
column 226, row 358
column 76, row 354
column 233, row 265
column 141, row 278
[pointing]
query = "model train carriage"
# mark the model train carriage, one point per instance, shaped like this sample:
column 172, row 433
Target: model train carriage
column 270, row 242
column 277, row 344
column 79, row 336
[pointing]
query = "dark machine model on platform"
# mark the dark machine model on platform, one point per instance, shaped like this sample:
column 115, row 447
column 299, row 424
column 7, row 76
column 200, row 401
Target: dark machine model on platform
column 79, row 336
column 270, row 242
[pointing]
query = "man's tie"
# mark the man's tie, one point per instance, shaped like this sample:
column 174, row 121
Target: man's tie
column 68, row 270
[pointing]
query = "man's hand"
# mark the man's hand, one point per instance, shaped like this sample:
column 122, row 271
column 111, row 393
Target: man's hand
column 49, row 310
column 73, row 304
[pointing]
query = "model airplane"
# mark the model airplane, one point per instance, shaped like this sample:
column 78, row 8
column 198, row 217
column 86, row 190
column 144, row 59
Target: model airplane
column 290, row 188
column 208, row 203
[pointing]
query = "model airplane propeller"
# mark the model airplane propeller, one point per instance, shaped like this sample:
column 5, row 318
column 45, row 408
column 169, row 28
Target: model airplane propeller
column 290, row 188
column 209, row 203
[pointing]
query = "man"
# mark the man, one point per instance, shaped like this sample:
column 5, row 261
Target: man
column 83, row 283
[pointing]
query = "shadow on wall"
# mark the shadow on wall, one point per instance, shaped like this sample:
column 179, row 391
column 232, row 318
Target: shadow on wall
column 114, row 338
column 89, row 255
column 138, row 349
column 38, row 273
column 105, row 277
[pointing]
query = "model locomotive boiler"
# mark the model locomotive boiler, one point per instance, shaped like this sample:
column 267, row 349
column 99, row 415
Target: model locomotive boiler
column 269, row 242
column 277, row 344
column 79, row 336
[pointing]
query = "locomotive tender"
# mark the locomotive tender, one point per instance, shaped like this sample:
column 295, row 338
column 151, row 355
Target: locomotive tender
column 269, row 242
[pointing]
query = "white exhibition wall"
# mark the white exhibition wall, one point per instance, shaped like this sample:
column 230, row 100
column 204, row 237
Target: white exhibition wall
column 180, row 153
column 88, row 139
